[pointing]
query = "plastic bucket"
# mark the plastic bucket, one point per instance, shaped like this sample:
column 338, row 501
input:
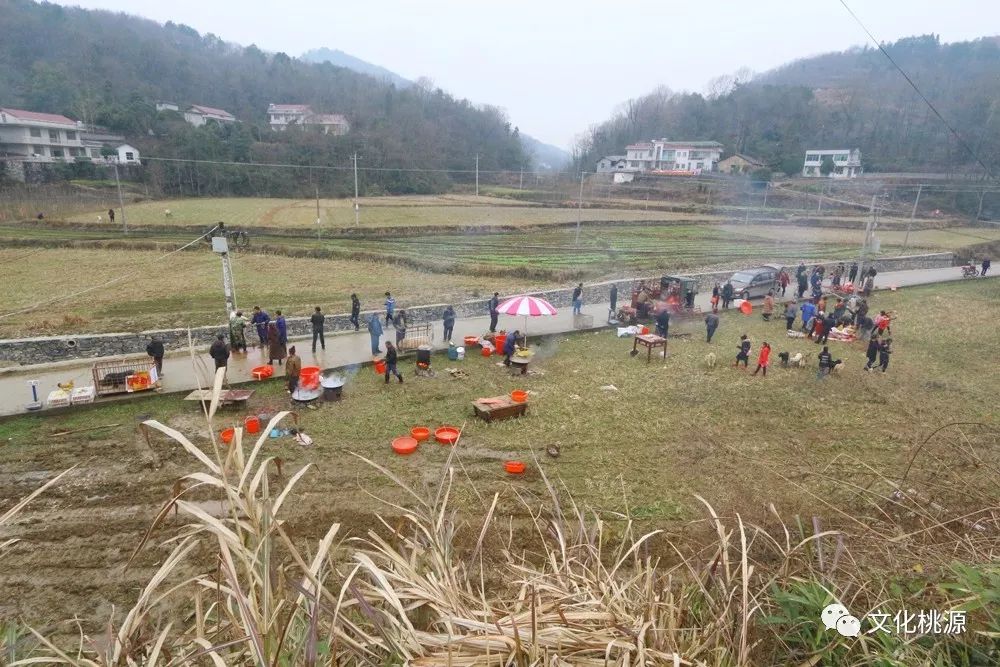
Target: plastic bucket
column 461, row 353
column 227, row 435
column 380, row 367
column 487, row 351
column 309, row 377
column 252, row 424
column 746, row 307
column 645, row 331
column 519, row 396
column 499, row 340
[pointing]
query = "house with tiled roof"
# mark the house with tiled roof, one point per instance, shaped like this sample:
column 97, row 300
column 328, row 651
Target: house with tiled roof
column 663, row 155
column 283, row 116
column 199, row 114
column 32, row 136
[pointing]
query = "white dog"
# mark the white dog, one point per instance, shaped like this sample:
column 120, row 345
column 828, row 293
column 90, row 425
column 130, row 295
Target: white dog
column 710, row 360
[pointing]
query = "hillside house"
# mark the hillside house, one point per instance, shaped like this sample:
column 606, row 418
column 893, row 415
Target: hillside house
column 611, row 163
column 663, row 155
column 31, row 136
column 199, row 115
column 846, row 163
column 167, row 106
column 740, row 164
column 283, row 116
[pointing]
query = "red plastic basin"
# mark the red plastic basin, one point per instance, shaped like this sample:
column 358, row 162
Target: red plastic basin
column 404, row 446
column 446, row 435
column 420, row 433
column 514, row 467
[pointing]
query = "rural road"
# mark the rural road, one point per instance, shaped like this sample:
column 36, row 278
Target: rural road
column 348, row 349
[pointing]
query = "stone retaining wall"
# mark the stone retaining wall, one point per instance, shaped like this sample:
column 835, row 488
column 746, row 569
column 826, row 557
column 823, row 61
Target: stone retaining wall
column 88, row 346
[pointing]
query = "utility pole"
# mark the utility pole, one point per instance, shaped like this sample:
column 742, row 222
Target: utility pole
column 767, row 186
column 317, row 211
column 869, row 230
column 913, row 214
column 579, row 210
column 121, row 200
column 979, row 211
column 749, row 199
column 357, row 216
column 220, row 245
column 520, row 180
column 477, row 174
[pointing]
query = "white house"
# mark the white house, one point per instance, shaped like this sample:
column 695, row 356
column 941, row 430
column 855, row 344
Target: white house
column 282, row 116
column 128, row 154
column 611, row 163
column 846, row 163
column 30, row 136
column 167, row 106
column 663, row 155
column 198, row 115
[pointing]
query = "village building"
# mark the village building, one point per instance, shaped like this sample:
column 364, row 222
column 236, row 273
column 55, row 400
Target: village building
column 739, row 164
column 283, row 116
column 846, row 163
column 32, row 136
column 662, row 155
column 199, row 115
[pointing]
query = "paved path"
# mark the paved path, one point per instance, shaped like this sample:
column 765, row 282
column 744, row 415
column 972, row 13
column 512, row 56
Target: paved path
column 349, row 348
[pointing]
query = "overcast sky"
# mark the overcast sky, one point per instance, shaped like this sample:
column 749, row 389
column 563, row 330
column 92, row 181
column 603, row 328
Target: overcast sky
column 558, row 66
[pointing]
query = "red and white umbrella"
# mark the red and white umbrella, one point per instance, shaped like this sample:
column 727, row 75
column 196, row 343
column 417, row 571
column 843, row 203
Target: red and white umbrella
column 528, row 306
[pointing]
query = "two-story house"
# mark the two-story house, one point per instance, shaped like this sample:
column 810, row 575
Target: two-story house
column 846, row 163
column 31, row 136
column 663, row 155
column 282, row 116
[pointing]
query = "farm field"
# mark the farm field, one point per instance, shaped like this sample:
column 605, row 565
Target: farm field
column 431, row 211
column 952, row 238
column 185, row 290
column 669, row 431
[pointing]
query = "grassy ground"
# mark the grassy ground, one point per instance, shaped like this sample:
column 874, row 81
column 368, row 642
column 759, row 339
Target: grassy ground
column 667, row 431
column 186, row 288
column 443, row 210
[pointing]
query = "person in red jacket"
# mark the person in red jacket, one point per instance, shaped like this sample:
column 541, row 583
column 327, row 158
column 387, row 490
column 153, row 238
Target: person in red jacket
column 762, row 358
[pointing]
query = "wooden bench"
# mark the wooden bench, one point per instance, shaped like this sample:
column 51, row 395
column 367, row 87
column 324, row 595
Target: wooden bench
column 498, row 408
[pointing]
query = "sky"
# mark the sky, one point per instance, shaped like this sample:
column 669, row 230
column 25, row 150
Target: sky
column 556, row 66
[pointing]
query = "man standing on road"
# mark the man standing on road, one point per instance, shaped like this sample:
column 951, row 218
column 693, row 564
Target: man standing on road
column 390, row 308
column 853, row 273
column 111, row 215
column 449, row 322
column 711, row 324
column 219, row 352
column 400, row 322
column 783, row 280
column 578, row 299
column 986, row 267
column 282, row 327
column 494, row 306
column 727, row 294
column 238, row 332
column 375, row 331
column 355, row 311
column 614, row 298
column 317, row 321
column 260, row 319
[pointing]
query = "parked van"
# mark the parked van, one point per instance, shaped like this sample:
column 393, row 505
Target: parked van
column 754, row 283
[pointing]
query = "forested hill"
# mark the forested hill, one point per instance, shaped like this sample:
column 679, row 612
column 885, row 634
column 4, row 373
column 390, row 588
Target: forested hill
column 851, row 99
column 111, row 68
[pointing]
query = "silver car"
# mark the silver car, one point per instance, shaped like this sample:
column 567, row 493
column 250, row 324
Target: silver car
column 753, row 283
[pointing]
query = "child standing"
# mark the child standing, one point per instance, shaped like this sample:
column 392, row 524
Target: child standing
column 884, row 350
column 762, row 359
column 390, row 362
column 744, row 353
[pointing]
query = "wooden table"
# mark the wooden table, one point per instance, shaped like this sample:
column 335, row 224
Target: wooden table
column 498, row 408
column 237, row 397
column 649, row 341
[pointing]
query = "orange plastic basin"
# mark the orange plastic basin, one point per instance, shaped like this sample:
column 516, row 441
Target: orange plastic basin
column 514, row 467
column 487, row 351
column 420, row 433
column 380, row 367
column 262, row 372
column 446, row 435
column 227, row 435
column 404, row 446
column 470, row 341
column 519, row 396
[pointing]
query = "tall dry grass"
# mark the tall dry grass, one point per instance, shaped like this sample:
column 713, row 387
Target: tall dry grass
column 582, row 591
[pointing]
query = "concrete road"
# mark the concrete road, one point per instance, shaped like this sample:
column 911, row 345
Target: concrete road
column 345, row 349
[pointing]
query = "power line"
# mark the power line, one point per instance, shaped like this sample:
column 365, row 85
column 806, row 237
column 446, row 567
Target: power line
column 964, row 144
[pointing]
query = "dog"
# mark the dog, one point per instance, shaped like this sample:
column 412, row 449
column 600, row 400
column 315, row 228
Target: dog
column 799, row 360
column 838, row 367
column 784, row 359
column 710, row 360
column 168, row 214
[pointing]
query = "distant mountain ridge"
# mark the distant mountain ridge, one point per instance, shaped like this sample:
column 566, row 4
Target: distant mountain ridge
column 341, row 59
column 546, row 156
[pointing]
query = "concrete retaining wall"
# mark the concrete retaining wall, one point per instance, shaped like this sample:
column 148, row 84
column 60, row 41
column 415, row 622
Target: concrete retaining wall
column 85, row 346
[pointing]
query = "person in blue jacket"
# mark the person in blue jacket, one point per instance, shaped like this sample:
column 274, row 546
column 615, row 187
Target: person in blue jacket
column 375, row 331
column 390, row 308
column 808, row 312
column 282, row 327
column 510, row 346
column 260, row 319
